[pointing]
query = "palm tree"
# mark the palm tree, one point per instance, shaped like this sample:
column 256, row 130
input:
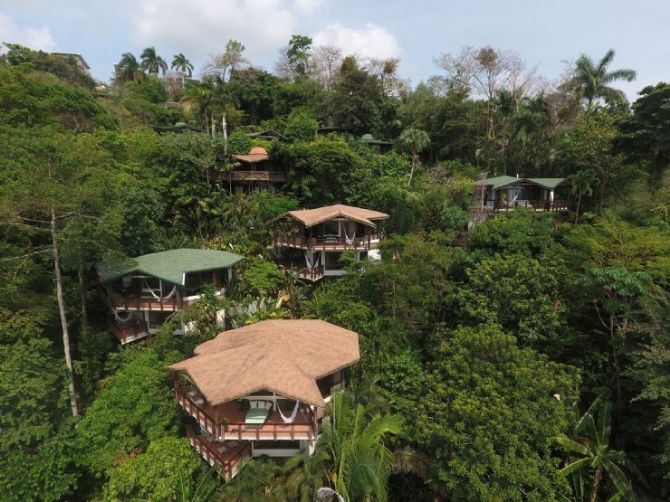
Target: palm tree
column 581, row 183
column 592, row 80
column 152, row 62
column 305, row 476
column 201, row 95
column 129, row 69
column 183, row 66
column 358, row 463
column 415, row 140
column 594, row 455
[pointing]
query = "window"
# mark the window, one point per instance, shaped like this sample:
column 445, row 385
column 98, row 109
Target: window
column 331, row 228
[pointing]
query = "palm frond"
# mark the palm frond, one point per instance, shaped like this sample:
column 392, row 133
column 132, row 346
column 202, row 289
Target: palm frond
column 575, row 466
column 606, row 60
column 622, row 74
column 572, row 446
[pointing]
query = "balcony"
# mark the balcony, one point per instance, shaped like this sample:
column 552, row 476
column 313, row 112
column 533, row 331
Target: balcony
column 225, row 422
column 128, row 331
column 326, row 243
column 269, row 176
column 224, row 457
column 150, row 303
column 535, row 205
column 312, row 274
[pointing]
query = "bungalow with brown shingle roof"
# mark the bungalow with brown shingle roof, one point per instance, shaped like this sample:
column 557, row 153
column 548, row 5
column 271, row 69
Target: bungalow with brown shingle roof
column 319, row 236
column 261, row 389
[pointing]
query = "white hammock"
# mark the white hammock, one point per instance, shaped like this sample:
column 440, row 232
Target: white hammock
column 157, row 297
column 350, row 240
column 314, row 262
column 122, row 319
column 290, row 419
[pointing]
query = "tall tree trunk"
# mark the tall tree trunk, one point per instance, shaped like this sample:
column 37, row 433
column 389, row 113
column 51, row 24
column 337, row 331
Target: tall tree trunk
column 63, row 318
column 82, row 292
column 490, row 133
column 411, row 173
column 579, row 203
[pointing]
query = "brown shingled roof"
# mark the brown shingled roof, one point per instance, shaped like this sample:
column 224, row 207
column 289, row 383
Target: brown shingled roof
column 282, row 356
column 311, row 217
column 256, row 154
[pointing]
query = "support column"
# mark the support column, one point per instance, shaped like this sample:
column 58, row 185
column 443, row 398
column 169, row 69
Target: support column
column 551, row 200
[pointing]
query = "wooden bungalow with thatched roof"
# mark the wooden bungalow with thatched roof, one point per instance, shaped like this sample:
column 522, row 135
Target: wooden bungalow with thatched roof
column 254, row 172
column 262, row 389
column 312, row 240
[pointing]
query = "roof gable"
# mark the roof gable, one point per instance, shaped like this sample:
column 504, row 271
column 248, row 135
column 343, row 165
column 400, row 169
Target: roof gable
column 502, row 181
column 311, row 217
column 171, row 266
column 283, row 356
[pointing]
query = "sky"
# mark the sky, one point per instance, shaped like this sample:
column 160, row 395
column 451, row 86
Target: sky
column 548, row 35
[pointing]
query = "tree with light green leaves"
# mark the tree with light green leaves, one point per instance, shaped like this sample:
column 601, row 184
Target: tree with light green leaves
column 152, row 62
column 593, row 79
column 581, row 184
column 129, row 68
column 415, row 140
column 358, row 461
column 488, row 413
column 592, row 458
column 181, row 64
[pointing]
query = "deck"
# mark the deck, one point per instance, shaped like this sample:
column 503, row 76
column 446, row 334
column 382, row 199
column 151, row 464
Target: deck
column 226, row 422
column 269, row 176
column 325, row 243
column 312, row 274
column 152, row 305
column 128, row 332
column 223, row 456
column 535, row 205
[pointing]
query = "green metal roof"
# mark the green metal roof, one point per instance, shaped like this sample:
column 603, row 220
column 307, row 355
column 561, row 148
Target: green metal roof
column 501, row 181
column 172, row 265
column 368, row 138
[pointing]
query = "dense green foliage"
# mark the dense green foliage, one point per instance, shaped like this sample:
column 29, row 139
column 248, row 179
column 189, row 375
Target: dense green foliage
column 479, row 345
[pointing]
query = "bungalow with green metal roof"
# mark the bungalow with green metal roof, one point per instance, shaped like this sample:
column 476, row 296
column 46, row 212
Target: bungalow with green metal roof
column 503, row 193
column 144, row 292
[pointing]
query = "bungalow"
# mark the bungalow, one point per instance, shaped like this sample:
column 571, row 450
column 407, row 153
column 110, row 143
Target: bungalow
column 312, row 240
column 143, row 293
column 261, row 390
column 268, row 135
column 376, row 145
column 78, row 59
column 503, row 193
column 254, row 172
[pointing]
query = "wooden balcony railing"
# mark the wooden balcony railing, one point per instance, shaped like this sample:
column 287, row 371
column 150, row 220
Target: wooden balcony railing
column 312, row 274
column 268, row 432
column 370, row 241
column 197, row 411
column 144, row 303
column 240, row 431
column 127, row 332
column 271, row 176
column 537, row 205
column 175, row 302
column 225, row 462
